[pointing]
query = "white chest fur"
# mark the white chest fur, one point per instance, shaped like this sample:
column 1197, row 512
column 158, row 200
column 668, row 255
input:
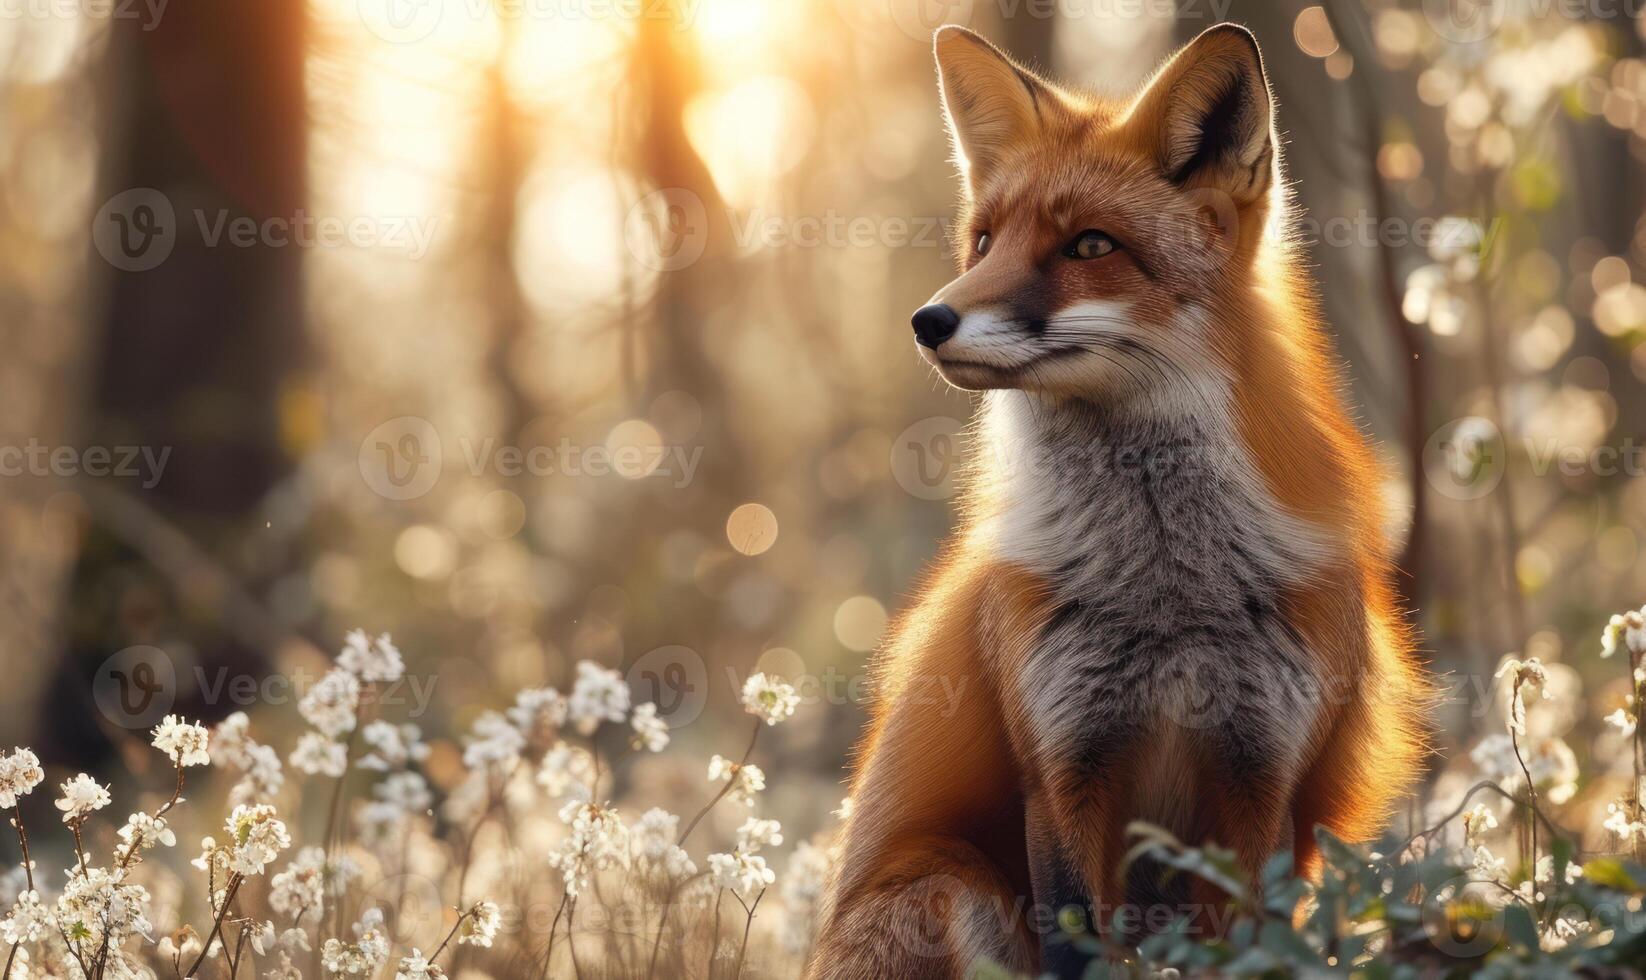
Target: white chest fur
column 1168, row 563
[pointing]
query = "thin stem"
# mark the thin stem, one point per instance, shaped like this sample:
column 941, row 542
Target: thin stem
column 1495, row 383
column 758, row 724
column 137, row 836
column 571, row 938
column 239, row 951
column 461, row 915
column 28, row 870
column 668, row 901
column 747, row 925
column 1531, row 791
column 23, row 839
column 334, row 820
column 1639, row 744
column 79, row 846
column 217, row 924
column 548, row 953
column 714, row 937
column 1464, row 805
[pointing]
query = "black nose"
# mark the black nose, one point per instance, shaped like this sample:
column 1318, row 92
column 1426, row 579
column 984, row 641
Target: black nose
column 935, row 323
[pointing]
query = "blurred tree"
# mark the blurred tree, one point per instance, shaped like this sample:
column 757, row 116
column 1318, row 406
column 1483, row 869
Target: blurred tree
column 208, row 110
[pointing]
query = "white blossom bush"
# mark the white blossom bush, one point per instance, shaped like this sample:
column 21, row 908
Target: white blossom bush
column 397, row 853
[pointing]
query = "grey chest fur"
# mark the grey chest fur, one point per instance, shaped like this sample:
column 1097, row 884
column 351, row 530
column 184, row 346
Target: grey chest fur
column 1168, row 565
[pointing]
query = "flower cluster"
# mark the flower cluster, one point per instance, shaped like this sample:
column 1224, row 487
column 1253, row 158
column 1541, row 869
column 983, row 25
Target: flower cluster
column 546, row 754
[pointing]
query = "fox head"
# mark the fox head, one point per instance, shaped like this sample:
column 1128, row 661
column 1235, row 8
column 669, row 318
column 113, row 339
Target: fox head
column 1098, row 236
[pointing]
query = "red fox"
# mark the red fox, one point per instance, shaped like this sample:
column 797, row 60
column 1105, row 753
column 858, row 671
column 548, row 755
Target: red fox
column 1169, row 598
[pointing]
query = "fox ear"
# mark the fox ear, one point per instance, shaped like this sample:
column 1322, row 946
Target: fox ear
column 1215, row 115
column 990, row 102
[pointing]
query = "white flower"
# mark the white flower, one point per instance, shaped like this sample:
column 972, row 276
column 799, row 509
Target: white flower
column 182, row 944
column 1551, row 762
column 1486, row 865
column 363, row 957
column 804, row 882
column 295, row 940
column 262, row 778
column 1554, row 770
column 229, row 741
column 597, row 695
column 393, row 746
column 210, row 855
column 756, row 834
column 29, row 921
column 332, row 703
column 416, row 967
column 82, row 796
column 1624, row 719
column 1561, row 932
column 407, row 791
column 99, row 907
column 742, row 872
column 1545, row 870
column 262, row 937
column 318, row 755
column 1618, row 822
column 20, row 773
column 652, row 845
column 147, row 830
column 184, row 742
column 1477, row 820
column 492, row 742
column 563, row 766
column 480, row 926
column 746, row 780
column 400, row 795
column 372, row 661
column 650, row 732
column 1611, row 638
column 769, row 699
column 1634, row 629
column 654, row 832
column 283, row 969
column 1523, row 673
column 538, row 712
column 257, row 837
column 598, row 840
column 299, row 890
column 1624, row 630
column 1494, row 756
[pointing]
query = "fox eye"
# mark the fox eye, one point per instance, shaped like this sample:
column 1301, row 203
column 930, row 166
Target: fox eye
column 1090, row 244
column 983, row 243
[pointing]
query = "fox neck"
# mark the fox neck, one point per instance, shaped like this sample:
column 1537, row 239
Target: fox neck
column 1071, row 487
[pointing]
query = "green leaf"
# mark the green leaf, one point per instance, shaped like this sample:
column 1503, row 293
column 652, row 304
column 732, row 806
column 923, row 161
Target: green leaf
column 1279, row 939
column 1610, row 873
column 1518, row 924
